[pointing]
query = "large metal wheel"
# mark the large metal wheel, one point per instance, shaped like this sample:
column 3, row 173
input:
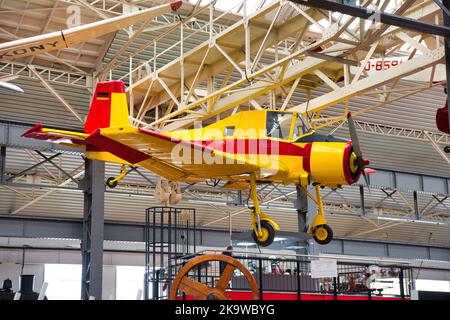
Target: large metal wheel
column 200, row 291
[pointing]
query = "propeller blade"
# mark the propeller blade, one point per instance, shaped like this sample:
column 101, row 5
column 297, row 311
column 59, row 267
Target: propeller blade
column 354, row 136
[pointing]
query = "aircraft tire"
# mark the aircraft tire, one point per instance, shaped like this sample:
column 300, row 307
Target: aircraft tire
column 268, row 234
column 110, row 183
column 322, row 234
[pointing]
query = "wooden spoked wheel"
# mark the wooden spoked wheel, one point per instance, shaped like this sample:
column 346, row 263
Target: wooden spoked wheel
column 200, row 291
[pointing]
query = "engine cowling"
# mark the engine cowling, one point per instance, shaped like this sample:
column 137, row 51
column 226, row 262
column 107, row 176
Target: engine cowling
column 334, row 164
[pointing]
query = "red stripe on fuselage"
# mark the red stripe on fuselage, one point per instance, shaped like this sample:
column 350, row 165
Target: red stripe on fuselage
column 307, row 157
column 256, row 146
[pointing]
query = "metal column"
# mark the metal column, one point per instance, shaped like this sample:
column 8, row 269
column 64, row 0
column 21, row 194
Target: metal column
column 2, row 164
column 93, row 230
column 303, row 204
column 446, row 3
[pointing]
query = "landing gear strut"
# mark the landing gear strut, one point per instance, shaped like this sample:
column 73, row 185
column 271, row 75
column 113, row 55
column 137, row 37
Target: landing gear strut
column 264, row 228
column 113, row 181
column 319, row 230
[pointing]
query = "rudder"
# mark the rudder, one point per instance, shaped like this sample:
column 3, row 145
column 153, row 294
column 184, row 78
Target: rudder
column 109, row 107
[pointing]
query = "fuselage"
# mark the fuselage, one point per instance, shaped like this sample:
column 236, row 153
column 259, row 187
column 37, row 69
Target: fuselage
column 279, row 143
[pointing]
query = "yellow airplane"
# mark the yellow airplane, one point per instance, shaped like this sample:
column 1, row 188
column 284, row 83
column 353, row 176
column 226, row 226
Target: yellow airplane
column 245, row 149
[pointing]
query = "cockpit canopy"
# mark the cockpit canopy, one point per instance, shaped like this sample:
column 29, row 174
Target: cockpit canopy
column 285, row 125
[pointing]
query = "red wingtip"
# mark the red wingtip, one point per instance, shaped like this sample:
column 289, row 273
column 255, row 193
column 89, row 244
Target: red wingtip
column 36, row 128
column 176, row 5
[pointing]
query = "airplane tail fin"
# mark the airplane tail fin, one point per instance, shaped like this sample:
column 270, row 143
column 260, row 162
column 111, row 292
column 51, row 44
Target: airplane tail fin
column 109, row 107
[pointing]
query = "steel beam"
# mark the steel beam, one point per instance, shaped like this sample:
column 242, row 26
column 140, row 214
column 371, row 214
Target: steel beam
column 10, row 136
column 93, row 230
column 409, row 67
column 383, row 17
column 446, row 5
column 2, row 164
column 49, row 192
column 21, row 173
column 55, row 93
column 304, row 206
column 64, row 228
column 16, row 69
column 56, row 166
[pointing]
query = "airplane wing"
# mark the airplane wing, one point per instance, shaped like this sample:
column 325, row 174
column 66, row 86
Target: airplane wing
column 167, row 156
column 66, row 38
column 156, row 152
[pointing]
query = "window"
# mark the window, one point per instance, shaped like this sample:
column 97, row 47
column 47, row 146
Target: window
column 228, row 132
column 64, row 281
column 432, row 285
column 278, row 124
column 129, row 280
column 300, row 127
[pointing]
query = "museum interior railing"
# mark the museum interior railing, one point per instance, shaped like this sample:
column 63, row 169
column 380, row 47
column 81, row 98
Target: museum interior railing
column 290, row 278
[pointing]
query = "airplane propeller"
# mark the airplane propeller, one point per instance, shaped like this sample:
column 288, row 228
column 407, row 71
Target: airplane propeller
column 359, row 161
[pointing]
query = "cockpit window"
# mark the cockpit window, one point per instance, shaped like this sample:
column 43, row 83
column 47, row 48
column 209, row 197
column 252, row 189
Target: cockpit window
column 228, row 131
column 278, row 124
column 300, row 127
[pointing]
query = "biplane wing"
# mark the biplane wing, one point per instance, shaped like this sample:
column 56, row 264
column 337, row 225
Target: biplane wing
column 67, row 38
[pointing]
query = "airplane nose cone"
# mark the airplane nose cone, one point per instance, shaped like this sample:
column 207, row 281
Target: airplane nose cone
column 352, row 170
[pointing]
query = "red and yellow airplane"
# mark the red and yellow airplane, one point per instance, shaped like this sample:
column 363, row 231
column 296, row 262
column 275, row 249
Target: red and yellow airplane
column 245, row 149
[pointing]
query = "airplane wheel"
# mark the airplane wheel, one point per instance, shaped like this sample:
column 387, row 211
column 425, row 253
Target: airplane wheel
column 447, row 149
column 110, row 183
column 322, row 234
column 268, row 234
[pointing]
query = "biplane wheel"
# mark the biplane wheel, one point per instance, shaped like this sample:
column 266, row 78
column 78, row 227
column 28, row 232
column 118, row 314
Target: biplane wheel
column 447, row 149
column 110, row 183
column 200, row 291
column 322, row 234
column 268, row 234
